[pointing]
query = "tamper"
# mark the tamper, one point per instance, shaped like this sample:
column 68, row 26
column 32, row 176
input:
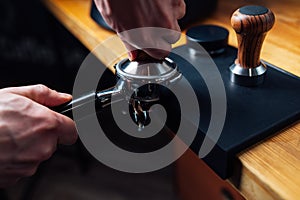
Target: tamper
column 251, row 24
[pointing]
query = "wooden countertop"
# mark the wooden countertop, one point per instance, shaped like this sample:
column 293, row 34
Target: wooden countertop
column 271, row 169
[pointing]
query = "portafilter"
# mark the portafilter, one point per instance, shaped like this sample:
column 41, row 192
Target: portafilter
column 138, row 83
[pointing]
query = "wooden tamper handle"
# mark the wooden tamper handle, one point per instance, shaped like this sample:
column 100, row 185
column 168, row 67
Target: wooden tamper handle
column 251, row 24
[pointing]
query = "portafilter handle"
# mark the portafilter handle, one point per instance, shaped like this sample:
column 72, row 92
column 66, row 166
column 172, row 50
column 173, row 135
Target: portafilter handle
column 102, row 99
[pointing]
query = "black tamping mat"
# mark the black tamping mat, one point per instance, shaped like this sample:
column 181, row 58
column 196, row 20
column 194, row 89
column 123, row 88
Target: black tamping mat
column 253, row 113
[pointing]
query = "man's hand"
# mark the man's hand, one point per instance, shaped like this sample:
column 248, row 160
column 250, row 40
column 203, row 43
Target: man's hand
column 131, row 14
column 29, row 131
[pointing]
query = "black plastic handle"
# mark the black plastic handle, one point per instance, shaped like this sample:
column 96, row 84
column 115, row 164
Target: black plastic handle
column 79, row 103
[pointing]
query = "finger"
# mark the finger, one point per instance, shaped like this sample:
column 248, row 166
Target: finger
column 41, row 94
column 158, row 54
column 132, row 51
column 173, row 35
column 66, row 130
column 150, row 40
column 160, row 50
column 20, row 171
column 180, row 9
column 36, row 151
column 133, row 55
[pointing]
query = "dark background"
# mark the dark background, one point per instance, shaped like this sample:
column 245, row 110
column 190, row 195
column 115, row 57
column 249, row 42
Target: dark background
column 35, row 48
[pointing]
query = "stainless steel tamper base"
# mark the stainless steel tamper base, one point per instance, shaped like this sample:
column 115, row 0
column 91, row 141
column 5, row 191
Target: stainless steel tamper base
column 153, row 71
column 248, row 76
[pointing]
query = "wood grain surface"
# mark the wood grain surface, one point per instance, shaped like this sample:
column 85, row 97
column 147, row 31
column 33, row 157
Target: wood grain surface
column 271, row 169
column 251, row 31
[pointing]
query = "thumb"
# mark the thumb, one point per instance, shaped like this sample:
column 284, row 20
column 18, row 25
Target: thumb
column 41, row 94
column 132, row 51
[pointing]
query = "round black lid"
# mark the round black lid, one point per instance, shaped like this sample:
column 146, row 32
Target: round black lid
column 211, row 37
column 253, row 10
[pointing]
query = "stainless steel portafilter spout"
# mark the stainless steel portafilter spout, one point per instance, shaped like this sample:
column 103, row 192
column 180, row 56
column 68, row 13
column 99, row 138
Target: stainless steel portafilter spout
column 138, row 83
